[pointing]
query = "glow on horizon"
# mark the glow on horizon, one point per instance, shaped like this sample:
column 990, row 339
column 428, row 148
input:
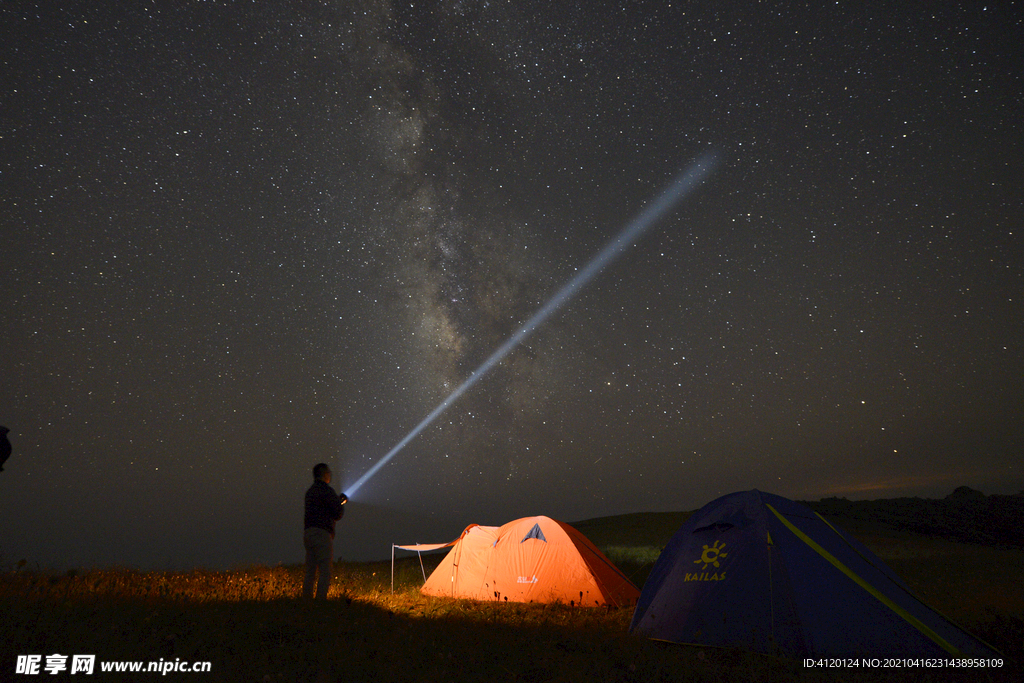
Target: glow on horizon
column 681, row 186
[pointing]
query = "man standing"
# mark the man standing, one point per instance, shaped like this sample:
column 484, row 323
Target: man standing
column 5, row 447
column 324, row 507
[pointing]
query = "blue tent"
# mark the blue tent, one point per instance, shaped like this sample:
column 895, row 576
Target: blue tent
column 757, row 571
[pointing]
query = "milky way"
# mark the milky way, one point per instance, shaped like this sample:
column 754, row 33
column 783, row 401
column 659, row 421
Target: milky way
column 656, row 209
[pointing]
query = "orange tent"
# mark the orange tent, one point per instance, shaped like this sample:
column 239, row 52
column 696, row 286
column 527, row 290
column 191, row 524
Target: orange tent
column 534, row 559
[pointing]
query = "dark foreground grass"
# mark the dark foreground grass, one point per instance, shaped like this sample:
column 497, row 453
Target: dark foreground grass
column 250, row 625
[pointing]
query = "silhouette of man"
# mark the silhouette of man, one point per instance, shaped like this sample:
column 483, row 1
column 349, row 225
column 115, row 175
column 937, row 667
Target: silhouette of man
column 324, row 507
column 5, row 447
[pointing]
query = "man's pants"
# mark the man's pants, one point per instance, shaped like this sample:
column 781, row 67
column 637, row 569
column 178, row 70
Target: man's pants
column 319, row 557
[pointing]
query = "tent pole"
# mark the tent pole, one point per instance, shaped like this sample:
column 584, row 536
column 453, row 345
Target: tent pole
column 771, row 586
column 392, row 567
column 421, row 566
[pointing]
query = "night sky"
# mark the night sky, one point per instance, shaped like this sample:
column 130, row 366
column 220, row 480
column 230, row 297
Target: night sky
column 240, row 238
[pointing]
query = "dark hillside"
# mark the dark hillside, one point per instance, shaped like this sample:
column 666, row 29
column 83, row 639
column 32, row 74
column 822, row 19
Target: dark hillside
column 636, row 529
column 965, row 515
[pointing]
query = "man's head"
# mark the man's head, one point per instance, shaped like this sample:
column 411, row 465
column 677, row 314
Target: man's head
column 322, row 472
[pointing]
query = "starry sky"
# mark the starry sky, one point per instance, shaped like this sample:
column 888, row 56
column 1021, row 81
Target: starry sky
column 240, row 238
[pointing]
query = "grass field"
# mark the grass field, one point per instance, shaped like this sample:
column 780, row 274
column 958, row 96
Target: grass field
column 249, row 625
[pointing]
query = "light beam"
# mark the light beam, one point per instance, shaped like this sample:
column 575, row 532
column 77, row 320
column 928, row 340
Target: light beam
column 672, row 195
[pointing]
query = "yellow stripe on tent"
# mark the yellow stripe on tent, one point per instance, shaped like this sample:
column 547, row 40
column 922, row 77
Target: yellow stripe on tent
column 910, row 618
column 872, row 563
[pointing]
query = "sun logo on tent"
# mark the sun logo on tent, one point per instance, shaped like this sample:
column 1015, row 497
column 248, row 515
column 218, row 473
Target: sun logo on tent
column 711, row 555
